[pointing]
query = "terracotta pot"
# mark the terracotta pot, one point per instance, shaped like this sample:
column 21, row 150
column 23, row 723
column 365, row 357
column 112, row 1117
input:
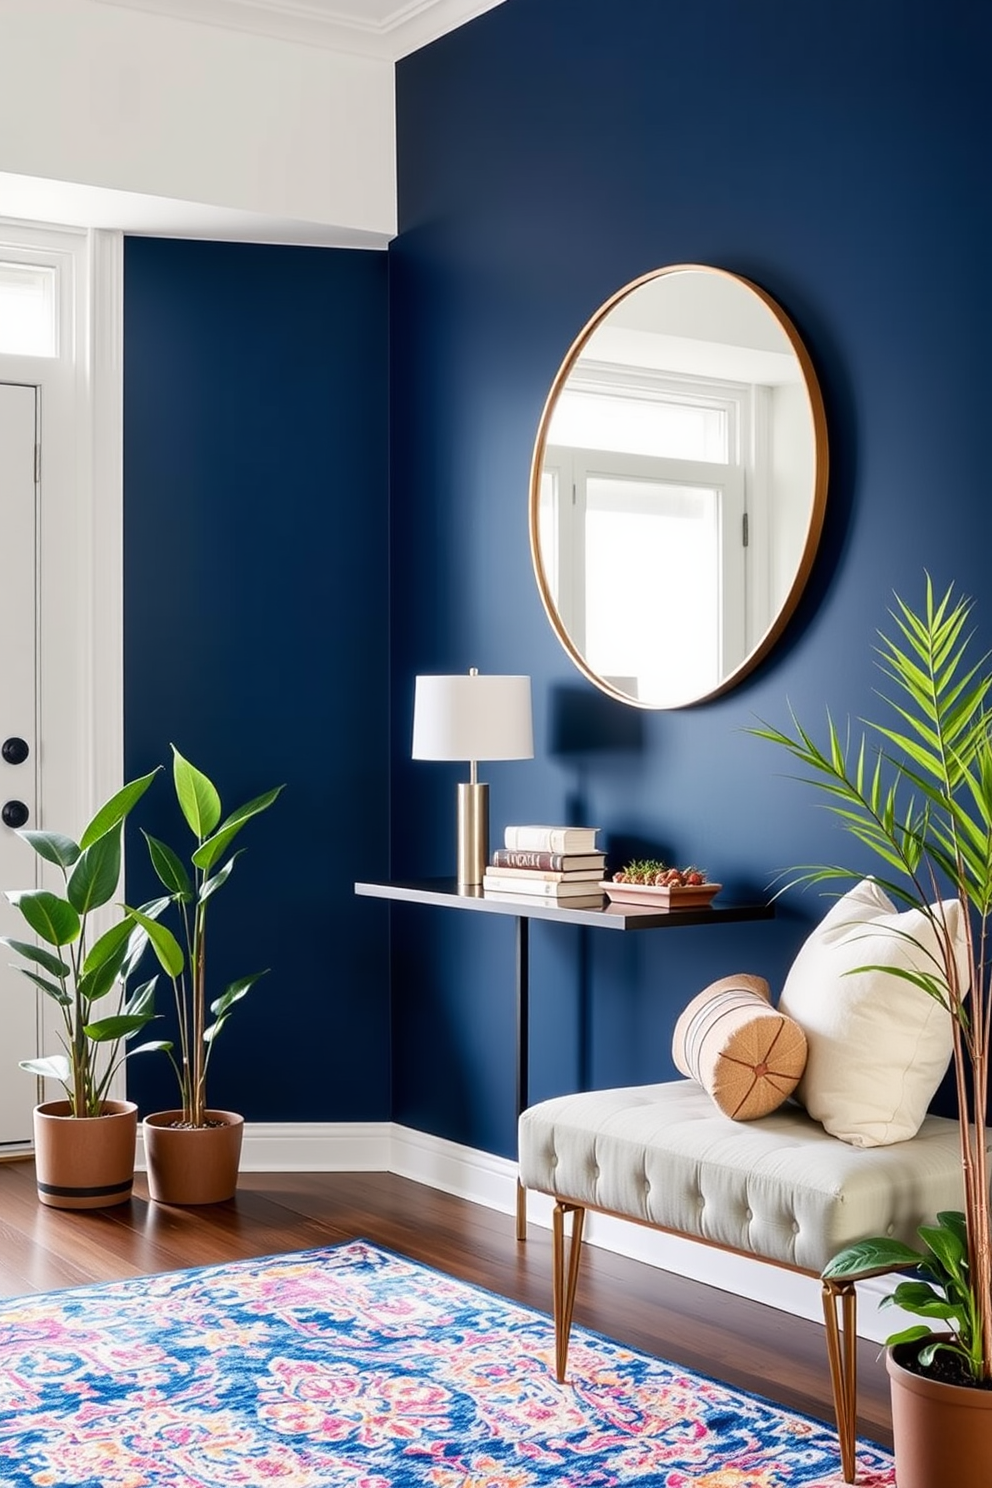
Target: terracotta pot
column 84, row 1162
column 942, row 1433
column 192, row 1165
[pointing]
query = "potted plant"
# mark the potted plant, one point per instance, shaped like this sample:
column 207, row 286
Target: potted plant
column 85, row 1143
column 924, row 808
column 193, row 1152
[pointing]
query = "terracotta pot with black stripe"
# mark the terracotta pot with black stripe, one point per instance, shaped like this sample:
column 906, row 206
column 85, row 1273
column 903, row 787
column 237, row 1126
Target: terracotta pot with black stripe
column 85, row 1162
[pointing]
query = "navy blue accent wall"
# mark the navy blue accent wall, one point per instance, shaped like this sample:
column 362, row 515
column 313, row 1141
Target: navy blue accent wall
column 256, row 604
column 549, row 153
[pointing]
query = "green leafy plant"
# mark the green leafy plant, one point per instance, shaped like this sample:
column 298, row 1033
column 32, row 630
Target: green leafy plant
column 923, row 805
column 77, row 972
column 183, row 958
column 942, row 1291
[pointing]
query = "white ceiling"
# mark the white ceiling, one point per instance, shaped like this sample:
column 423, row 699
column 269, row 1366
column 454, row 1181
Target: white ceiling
column 381, row 30
column 375, row 28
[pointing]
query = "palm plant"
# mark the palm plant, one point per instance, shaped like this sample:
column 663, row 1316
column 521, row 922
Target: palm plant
column 74, row 970
column 183, row 958
column 923, row 806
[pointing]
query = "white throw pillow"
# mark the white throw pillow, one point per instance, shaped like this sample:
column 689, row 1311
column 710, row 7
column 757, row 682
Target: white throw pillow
column 878, row 1046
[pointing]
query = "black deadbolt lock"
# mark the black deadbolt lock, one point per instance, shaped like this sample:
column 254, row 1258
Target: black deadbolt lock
column 15, row 751
column 14, row 813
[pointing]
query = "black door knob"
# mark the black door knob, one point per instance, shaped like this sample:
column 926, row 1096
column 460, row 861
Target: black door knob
column 14, row 813
column 15, row 751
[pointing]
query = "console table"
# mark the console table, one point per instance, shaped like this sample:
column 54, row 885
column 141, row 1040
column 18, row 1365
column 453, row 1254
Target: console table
column 446, row 893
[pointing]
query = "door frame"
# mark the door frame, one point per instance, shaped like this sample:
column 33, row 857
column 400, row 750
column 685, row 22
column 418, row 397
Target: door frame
column 80, row 707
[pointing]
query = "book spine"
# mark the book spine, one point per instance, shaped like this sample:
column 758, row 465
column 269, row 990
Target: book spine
column 510, row 885
column 568, row 901
column 537, row 887
column 550, row 875
column 510, row 857
column 549, row 839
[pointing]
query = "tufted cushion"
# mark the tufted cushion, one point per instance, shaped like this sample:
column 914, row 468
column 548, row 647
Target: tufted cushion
column 878, row 1045
column 780, row 1189
column 746, row 1054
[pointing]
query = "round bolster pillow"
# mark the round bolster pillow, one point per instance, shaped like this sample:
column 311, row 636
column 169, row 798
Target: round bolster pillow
column 744, row 1052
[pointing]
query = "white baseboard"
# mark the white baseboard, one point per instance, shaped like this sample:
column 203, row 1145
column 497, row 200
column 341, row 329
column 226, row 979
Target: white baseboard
column 310, row 1147
column 482, row 1178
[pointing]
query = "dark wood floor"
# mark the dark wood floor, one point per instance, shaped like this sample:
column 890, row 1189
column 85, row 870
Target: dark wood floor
column 753, row 1347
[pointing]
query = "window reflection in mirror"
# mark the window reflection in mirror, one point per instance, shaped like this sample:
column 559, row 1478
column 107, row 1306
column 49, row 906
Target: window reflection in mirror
column 678, row 486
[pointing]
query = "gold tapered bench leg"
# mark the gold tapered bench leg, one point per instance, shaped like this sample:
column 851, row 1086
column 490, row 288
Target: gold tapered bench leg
column 842, row 1343
column 565, row 1270
column 521, row 1211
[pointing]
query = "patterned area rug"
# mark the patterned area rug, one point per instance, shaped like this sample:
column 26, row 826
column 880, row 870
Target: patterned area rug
column 352, row 1366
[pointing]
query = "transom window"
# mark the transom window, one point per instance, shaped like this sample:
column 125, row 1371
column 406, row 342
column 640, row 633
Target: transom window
column 28, row 309
column 646, row 415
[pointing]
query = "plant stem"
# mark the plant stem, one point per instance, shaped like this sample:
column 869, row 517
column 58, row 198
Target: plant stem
column 199, row 1015
column 80, row 1105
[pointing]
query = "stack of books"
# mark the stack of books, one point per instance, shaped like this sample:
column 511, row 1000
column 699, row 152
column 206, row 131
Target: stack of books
column 552, row 865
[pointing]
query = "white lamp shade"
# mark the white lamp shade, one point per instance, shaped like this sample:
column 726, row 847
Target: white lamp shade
column 472, row 717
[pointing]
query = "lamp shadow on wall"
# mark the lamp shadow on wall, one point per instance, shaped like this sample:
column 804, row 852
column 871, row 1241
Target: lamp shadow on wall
column 584, row 728
column 584, row 724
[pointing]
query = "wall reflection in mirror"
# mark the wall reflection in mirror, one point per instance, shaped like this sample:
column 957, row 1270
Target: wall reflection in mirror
column 678, row 486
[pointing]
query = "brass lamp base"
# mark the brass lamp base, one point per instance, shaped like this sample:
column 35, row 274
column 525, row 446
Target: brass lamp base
column 473, row 832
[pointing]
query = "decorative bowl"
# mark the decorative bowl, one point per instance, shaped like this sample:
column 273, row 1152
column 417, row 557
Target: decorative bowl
column 664, row 896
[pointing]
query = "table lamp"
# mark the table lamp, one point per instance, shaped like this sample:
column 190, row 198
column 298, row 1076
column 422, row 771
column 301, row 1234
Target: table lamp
column 472, row 717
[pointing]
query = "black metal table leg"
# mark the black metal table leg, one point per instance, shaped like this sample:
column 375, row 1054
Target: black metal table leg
column 523, row 1048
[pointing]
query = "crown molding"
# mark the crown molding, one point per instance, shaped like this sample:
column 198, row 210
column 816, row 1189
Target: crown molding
column 386, row 29
column 32, row 199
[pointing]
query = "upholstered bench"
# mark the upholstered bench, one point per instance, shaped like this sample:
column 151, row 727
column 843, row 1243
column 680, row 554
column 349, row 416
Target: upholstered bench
column 779, row 1189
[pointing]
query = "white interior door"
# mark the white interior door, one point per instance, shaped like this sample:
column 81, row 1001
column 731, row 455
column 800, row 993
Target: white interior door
column 18, row 743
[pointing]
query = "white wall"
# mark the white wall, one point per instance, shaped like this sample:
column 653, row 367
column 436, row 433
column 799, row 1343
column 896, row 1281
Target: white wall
column 141, row 103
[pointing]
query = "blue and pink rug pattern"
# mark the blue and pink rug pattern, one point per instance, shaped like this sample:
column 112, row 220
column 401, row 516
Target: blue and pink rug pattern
column 350, row 1367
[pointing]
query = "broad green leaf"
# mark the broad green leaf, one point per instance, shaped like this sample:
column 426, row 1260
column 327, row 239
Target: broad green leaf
column 54, row 919
column 234, row 993
column 210, row 886
column 51, row 989
column 920, row 1297
column 208, row 852
column 52, row 846
column 108, row 1030
column 908, row 1335
column 138, row 943
column 117, row 808
column 53, row 1067
column 869, row 1257
column 93, row 985
column 143, row 998
column 197, row 796
column 51, row 963
column 108, row 946
column 170, row 868
column 94, row 879
column 946, row 1246
column 930, row 1352
column 155, row 1046
column 954, row 1220
column 164, row 943
column 156, row 907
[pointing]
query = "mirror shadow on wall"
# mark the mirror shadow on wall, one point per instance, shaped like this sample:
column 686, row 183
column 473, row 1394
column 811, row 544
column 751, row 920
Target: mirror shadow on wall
column 678, row 486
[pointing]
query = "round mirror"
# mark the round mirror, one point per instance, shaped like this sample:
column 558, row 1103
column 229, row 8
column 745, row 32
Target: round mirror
column 678, row 486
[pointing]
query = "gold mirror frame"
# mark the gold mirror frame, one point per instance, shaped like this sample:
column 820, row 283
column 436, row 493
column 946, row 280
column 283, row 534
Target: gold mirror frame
column 816, row 498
